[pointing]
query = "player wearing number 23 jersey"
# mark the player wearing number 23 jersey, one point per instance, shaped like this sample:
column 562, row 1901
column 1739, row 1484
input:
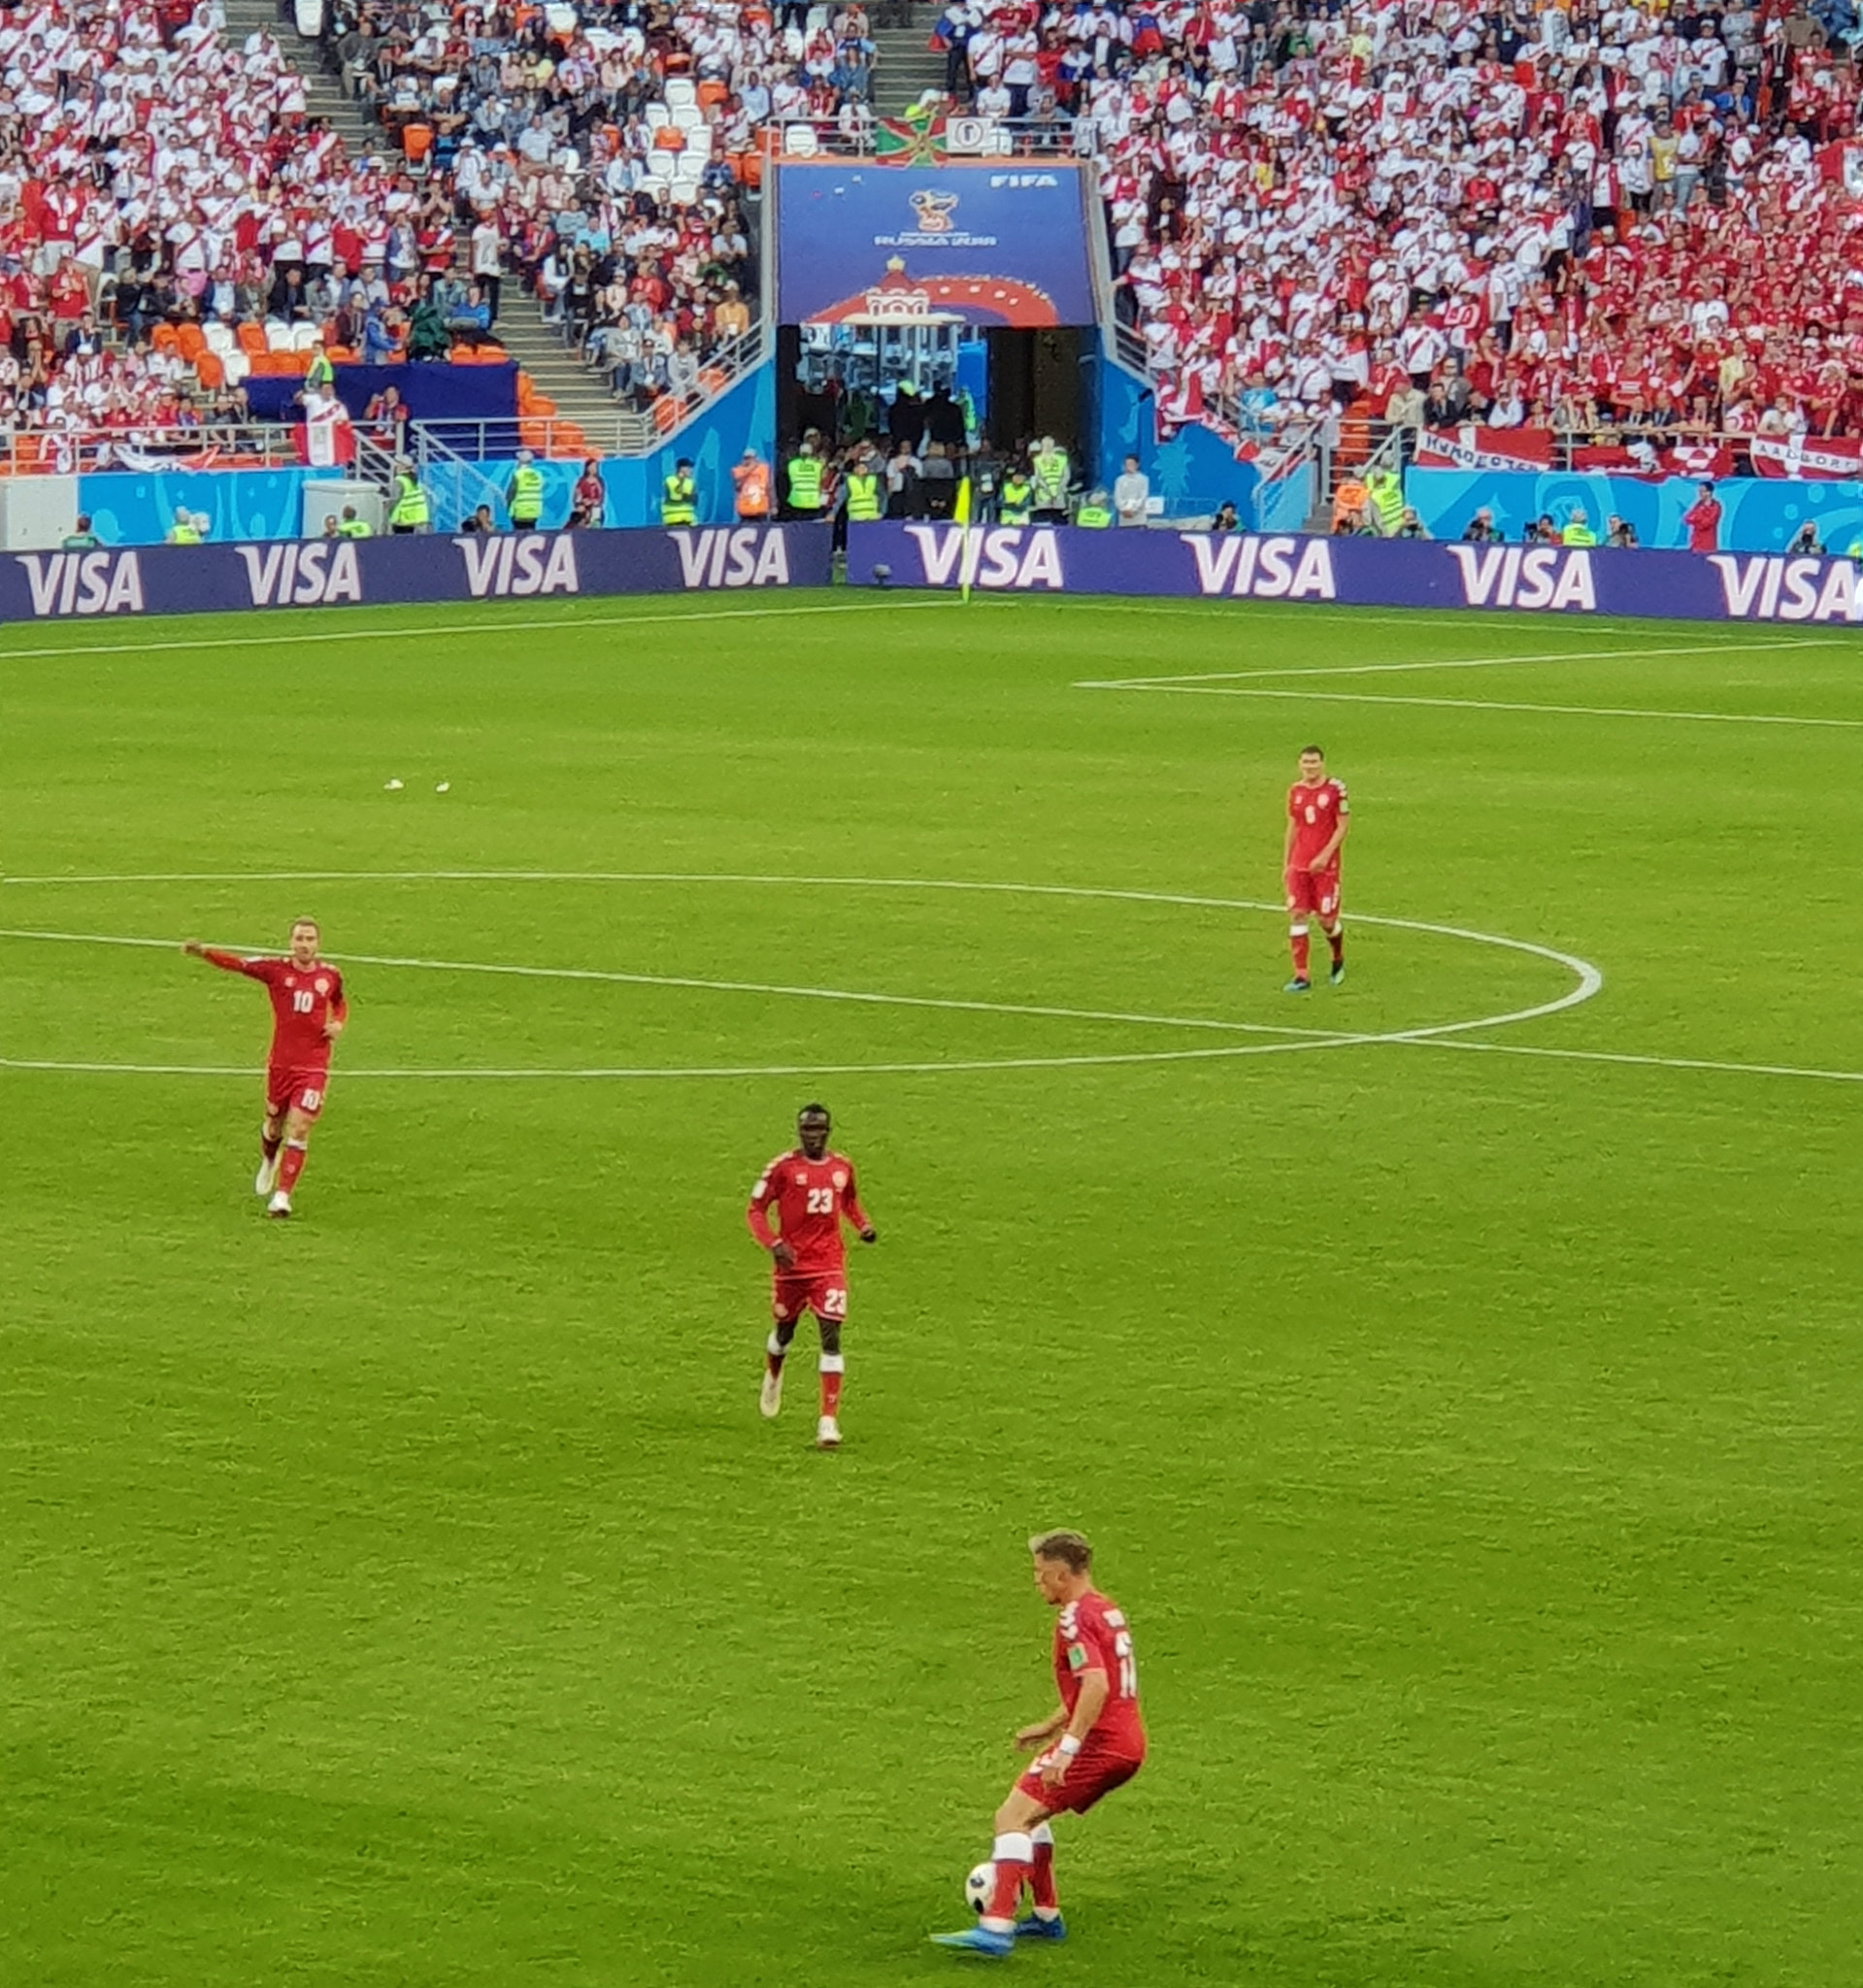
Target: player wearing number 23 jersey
column 1093, row 1743
column 811, row 1191
column 309, row 1011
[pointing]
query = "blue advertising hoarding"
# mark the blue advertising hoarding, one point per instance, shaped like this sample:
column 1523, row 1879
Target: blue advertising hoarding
column 1364, row 573
column 1758, row 513
column 986, row 245
column 329, row 573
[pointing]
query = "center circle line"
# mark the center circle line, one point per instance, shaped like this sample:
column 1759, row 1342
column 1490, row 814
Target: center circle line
column 1587, row 977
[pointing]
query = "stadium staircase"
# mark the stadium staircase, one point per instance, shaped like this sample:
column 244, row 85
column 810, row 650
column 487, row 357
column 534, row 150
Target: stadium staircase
column 554, row 371
column 904, row 67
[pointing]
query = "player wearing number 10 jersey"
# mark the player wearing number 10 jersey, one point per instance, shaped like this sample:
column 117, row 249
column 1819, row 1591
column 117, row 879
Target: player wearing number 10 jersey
column 309, row 1011
column 1092, row 1743
column 811, row 1191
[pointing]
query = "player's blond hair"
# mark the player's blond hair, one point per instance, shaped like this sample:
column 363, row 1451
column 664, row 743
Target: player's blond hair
column 312, row 922
column 1071, row 1549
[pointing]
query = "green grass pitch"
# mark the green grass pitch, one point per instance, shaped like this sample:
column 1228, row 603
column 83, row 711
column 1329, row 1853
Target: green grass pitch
column 411, row 1595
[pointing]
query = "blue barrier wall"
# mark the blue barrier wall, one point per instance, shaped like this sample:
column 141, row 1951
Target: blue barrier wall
column 1759, row 514
column 1193, row 472
column 135, row 509
column 128, row 509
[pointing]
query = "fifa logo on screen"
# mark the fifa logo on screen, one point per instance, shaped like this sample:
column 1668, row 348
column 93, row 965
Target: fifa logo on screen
column 934, row 211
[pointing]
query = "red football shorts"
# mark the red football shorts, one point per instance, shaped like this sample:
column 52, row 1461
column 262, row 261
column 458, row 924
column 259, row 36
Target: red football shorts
column 1314, row 891
column 1094, row 1772
column 822, row 1292
column 295, row 1090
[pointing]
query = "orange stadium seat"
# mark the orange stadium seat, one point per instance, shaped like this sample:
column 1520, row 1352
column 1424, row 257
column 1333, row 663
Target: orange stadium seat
column 210, row 371
column 190, row 340
column 163, row 339
column 416, row 142
column 251, row 338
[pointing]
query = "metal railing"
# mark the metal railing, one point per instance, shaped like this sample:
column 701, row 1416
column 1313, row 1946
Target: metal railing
column 144, row 448
column 964, row 137
column 628, row 432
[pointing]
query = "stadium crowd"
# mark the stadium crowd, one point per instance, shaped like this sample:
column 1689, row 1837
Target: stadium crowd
column 1551, row 212
column 171, row 217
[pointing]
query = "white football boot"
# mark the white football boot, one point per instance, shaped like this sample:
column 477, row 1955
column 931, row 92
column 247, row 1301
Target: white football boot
column 827, row 1433
column 770, row 1398
column 280, row 1206
column 267, row 1176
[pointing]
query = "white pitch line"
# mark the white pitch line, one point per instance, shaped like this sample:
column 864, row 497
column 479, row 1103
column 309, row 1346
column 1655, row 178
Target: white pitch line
column 1656, row 1062
column 690, row 985
column 1565, row 655
column 1587, row 979
column 1567, row 711
column 259, row 640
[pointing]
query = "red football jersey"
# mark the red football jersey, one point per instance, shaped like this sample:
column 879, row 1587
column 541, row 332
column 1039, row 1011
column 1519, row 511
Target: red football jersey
column 810, row 1198
column 1091, row 1635
column 1316, row 811
column 303, row 1000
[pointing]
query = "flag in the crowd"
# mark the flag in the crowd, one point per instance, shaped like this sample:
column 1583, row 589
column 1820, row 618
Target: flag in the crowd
column 1485, row 448
column 1713, row 460
column 327, row 439
column 1816, row 458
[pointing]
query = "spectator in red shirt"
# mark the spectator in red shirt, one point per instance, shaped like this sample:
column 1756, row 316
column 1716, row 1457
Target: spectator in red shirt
column 1703, row 520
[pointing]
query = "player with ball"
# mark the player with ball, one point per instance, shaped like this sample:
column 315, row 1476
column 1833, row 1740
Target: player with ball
column 1092, row 1743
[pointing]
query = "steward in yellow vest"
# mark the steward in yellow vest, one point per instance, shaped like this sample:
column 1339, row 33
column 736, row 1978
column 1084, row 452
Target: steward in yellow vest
column 805, row 482
column 679, row 495
column 524, row 499
column 408, row 512
column 863, row 494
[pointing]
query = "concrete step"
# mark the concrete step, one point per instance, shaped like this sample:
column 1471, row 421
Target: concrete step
column 905, row 68
column 580, row 394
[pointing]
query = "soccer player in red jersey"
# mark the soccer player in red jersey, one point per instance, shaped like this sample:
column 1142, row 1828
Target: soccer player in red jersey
column 1318, row 817
column 309, row 1012
column 811, row 1191
column 1092, row 1743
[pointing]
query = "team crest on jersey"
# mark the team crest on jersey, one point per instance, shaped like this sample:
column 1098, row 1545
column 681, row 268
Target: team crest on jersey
column 801, row 1179
column 323, row 986
column 840, row 1178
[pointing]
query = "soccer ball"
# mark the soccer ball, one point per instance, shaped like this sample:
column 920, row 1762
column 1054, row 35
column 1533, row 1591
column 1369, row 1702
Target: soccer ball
column 979, row 1886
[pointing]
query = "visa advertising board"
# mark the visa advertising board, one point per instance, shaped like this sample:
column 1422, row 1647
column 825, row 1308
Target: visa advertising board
column 1354, row 571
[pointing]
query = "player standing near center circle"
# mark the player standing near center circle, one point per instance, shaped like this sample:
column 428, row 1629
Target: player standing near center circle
column 1097, row 1744
column 811, row 1191
column 309, row 1011
column 1318, row 817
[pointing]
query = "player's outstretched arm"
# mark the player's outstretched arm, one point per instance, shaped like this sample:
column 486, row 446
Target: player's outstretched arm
column 227, row 962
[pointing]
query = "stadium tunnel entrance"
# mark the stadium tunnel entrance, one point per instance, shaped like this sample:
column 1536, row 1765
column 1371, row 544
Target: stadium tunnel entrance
column 950, row 308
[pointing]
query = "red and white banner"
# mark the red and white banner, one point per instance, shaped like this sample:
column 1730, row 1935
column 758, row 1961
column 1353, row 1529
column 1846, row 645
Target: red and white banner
column 1692, row 459
column 1816, row 458
column 328, row 439
column 1485, row 448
